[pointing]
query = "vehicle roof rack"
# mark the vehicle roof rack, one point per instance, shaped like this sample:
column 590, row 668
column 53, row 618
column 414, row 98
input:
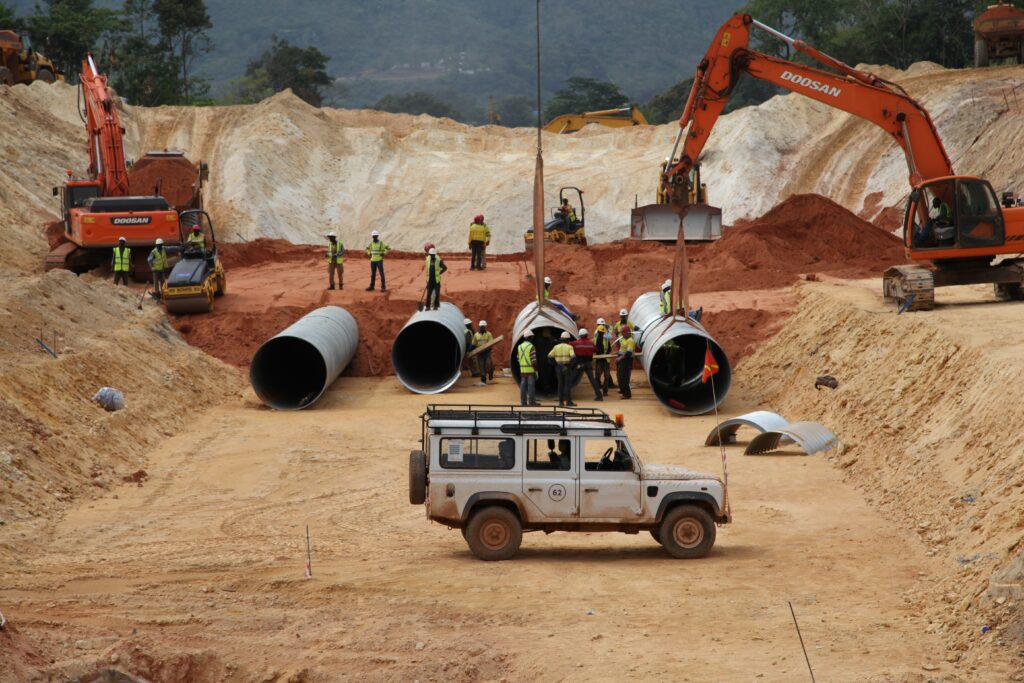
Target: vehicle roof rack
column 519, row 419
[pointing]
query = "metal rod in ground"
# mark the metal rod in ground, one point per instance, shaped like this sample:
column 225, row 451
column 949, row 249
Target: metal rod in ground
column 45, row 347
column 802, row 646
column 309, row 556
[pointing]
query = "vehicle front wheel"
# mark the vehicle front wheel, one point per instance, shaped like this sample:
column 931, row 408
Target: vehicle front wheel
column 687, row 532
column 655, row 536
column 494, row 533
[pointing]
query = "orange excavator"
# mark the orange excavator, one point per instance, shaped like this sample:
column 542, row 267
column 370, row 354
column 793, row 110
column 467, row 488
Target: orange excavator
column 954, row 230
column 98, row 210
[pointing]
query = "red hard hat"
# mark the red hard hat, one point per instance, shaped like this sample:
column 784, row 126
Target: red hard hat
column 195, row 228
column 427, row 246
column 479, row 219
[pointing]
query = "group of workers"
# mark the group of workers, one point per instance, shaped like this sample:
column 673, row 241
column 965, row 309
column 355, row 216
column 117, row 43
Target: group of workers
column 158, row 258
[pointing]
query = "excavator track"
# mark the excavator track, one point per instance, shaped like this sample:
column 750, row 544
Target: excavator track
column 912, row 288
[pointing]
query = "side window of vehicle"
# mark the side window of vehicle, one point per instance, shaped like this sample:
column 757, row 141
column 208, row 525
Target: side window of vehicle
column 549, row 454
column 606, row 455
column 477, row 454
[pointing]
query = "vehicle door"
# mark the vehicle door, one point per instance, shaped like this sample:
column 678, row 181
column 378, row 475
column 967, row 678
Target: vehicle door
column 551, row 478
column 609, row 480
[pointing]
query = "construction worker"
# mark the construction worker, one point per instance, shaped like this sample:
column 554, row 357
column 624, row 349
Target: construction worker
column 568, row 212
column 526, row 356
column 563, row 356
column 376, row 250
column 584, row 361
column 435, row 268
column 196, row 239
column 602, row 347
column 624, row 360
column 557, row 304
column 335, row 260
column 486, row 363
column 479, row 240
column 473, row 363
column 623, row 323
column 666, row 297
column 158, row 264
column 121, row 262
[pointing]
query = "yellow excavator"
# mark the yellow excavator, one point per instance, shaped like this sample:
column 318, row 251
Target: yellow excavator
column 623, row 117
column 660, row 221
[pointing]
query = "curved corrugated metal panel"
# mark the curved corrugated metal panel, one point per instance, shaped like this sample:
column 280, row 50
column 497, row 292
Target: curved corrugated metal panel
column 810, row 436
column 761, row 420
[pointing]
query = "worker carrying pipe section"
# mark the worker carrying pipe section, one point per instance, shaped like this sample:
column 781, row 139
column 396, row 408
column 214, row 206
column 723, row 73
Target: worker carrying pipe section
column 293, row 369
column 428, row 351
column 673, row 356
column 547, row 323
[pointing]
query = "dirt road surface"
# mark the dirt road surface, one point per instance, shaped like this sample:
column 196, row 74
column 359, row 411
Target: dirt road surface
column 197, row 573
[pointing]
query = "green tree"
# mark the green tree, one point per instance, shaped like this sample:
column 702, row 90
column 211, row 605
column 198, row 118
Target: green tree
column 8, row 19
column 65, row 30
column 141, row 71
column 183, row 25
column 282, row 66
column 516, row 110
column 584, row 94
column 417, row 103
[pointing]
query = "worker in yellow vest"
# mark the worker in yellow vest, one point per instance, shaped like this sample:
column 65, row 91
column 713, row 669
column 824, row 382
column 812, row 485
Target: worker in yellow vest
column 526, row 356
column 335, row 260
column 563, row 356
column 158, row 264
column 479, row 240
column 196, row 239
column 435, row 267
column 376, row 250
column 624, row 360
column 121, row 263
column 483, row 336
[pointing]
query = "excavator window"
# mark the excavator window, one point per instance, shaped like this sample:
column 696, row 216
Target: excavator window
column 979, row 217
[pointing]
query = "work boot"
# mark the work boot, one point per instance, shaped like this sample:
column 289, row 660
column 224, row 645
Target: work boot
column 570, row 404
column 599, row 397
column 535, row 404
column 331, row 287
column 369, row 289
column 383, row 288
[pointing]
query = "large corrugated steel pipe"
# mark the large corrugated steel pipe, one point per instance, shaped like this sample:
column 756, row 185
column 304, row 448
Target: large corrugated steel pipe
column 673, row 358
column 293, row 369
column 547, row 324
column 428, row 351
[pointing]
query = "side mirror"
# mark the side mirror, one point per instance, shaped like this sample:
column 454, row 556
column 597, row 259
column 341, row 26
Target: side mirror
column 56, row 191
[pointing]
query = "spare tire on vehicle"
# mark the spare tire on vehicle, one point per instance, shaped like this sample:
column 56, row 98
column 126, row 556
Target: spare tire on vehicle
column 417, row 477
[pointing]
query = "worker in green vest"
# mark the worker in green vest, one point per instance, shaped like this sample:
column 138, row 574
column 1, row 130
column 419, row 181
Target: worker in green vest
column 158, row 264
column 376, row 250
column 526, row 355
column 196, row 239
column 563, row 356
column 121, row 262
column 666, row 297
column 435, row 267
column 624, row 360
column 483, row 336
column 335, row 260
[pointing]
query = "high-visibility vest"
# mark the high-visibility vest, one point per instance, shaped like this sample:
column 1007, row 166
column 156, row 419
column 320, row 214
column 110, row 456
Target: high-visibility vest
column 525, row 353
column 666, row 301
column 376, row 250
column 547, row 293
column 335, row 252
column 436, row 266
column 122, row 259
column 197, row 239
column 159, row 257
column 479, row 232
column 469, row 338
column 481, row 338
column 562, row 353
column 627, row 345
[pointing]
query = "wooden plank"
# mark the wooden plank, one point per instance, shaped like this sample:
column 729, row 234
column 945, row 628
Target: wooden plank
column 485, row 346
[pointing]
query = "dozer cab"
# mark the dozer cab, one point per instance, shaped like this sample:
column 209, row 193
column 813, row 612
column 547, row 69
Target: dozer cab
column 19, row 63
column 660, row 221
column 198, row 276
column 563, row 228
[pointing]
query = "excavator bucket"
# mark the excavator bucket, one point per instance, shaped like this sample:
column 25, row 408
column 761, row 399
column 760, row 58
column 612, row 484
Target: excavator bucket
column 660, row 222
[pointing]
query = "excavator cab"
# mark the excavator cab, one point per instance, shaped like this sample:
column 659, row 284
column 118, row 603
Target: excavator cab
column 948, row 216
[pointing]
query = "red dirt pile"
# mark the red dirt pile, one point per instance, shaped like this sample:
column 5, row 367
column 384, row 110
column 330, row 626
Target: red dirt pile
column 169, row 177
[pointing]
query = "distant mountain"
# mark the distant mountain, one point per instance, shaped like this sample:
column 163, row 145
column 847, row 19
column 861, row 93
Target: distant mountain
column 465, row 50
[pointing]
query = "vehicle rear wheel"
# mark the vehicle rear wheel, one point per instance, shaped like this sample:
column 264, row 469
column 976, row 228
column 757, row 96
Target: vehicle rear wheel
column 417, row 477
column 980, row 54
column 45, row 75
column 687, row 532
column 494, row 533
column 6, row 77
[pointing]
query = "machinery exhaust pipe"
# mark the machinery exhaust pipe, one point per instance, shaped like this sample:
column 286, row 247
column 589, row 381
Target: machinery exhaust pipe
column 547, row 324
column 428, row 351
column 673, row 358
column 293, row 369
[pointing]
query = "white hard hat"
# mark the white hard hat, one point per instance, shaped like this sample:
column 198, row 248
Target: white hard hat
column 600, row 321
column 483, row 323
column 547, row 281
column 528, row 333
column 467, row 321
column 566, row 335
column 374, row 234
column 583, row 332
column 667, row 284
column 121, row 239
column 623, row 312
column 332, row 234
column 432, row 252
column 159, row 241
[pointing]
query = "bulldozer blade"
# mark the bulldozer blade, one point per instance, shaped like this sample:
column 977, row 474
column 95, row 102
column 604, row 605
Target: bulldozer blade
column 188, row 304
column 660, row 222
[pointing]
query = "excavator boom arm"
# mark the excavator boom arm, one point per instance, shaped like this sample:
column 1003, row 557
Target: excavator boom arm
column 106, row 137
column 862, row 94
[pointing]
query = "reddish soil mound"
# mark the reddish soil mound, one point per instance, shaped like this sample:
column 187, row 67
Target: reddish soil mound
column 169, row 177
column 54, row 233
column 263, row 250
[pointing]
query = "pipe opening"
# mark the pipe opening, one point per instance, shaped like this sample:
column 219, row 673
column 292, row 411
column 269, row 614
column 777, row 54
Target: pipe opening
column 427, row 357
column 544, row 339
column 675, row 374
column 288, row 373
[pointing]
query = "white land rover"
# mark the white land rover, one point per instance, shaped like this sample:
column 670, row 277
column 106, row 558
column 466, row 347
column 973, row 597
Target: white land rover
column 495, row 471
